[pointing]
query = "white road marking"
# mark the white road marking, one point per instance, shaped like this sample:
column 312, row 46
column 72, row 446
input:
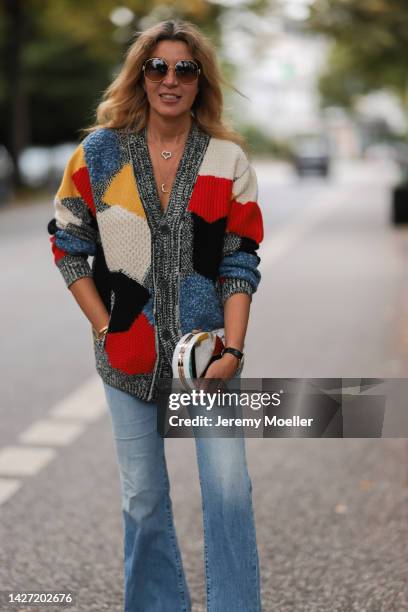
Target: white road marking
column 87, row 403
column 24, row 461
column 68, row 419
column 51, row 432
column 8, row 486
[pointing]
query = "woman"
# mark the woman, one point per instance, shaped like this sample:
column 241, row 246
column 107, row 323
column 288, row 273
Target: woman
column 161, row 192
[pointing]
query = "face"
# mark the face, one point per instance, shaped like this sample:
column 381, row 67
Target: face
column 172, row 51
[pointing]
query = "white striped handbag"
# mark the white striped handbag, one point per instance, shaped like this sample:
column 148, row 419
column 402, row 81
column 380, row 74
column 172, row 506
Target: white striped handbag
column 194, row 352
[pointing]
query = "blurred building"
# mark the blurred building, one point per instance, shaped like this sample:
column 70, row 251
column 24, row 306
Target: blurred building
column 278, row 69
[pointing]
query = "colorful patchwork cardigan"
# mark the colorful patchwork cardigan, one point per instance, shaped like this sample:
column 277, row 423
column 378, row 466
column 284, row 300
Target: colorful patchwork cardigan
column 159, row 274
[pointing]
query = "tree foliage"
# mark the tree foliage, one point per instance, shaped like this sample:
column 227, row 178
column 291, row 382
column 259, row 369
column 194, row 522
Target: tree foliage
column 370, row 50
column 58, row 56
column 67, row 55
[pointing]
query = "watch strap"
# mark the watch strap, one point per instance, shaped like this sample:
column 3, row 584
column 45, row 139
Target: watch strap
column 233, row 351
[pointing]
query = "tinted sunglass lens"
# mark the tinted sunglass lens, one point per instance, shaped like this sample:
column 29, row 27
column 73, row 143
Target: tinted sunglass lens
column 155, row 69
column 186, row 71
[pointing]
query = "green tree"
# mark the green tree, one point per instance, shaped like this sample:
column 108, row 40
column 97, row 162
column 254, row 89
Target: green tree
column 370, row 47
column 58, row 56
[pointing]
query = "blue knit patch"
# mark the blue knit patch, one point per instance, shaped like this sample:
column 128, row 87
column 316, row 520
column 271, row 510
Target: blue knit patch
column 73, row 245
column 241, row 265
column 200, row 306
column 102, row 154
column 148, row 310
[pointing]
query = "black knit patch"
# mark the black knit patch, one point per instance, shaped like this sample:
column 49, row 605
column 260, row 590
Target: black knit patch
column 208, row 244
column 93, row 223
column 102, row 277
column 52, row 226
column 130, row 299
column 249, row 246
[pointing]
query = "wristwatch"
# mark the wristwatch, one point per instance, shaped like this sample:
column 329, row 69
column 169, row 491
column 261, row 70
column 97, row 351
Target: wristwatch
column 233, row 351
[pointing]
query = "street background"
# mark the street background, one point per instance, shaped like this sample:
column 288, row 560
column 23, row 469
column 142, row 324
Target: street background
column 329, row 147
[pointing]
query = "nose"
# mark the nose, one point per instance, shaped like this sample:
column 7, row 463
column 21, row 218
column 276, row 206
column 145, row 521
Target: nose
column 171, row 77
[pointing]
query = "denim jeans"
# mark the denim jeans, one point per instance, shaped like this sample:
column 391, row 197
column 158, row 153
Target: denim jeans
column 154, row 579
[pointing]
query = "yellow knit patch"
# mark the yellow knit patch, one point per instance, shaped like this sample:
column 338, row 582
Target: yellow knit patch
column 67, row 188
column 122, row 191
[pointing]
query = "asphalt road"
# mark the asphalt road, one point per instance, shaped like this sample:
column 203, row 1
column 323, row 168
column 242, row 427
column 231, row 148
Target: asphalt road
column 331, row 514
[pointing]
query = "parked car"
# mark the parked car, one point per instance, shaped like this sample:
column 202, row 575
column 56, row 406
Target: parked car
column 35, row 166
column 311, row 155
column 399, row 205
column 44, row 166
column 60, row 157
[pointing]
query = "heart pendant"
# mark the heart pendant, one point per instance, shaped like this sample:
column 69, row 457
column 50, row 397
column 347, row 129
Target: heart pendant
column 166, row 154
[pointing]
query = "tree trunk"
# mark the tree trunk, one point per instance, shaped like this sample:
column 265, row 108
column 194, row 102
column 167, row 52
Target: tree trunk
column 17, row 101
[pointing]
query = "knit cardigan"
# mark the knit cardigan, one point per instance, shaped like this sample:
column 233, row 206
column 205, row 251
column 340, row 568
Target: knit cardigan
column 160, row 274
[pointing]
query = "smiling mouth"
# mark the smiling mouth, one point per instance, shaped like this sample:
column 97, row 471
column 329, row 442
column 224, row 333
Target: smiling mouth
column 170, row 96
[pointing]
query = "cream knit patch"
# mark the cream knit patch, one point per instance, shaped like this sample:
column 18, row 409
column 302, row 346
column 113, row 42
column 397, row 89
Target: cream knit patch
column 245, row 188
column 126, row 242
column 220, row 158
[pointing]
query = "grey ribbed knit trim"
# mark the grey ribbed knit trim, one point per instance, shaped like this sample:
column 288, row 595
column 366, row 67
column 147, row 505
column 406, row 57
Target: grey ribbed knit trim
column 73, row 267
column 234, row 285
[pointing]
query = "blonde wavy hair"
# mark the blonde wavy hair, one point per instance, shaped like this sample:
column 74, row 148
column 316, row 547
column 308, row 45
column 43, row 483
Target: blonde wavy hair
column 125, row 105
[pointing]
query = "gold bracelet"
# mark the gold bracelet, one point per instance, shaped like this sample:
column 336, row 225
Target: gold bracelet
column 96, row 334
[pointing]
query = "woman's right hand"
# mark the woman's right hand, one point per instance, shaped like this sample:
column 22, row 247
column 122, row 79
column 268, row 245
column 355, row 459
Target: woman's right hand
column 90, row 302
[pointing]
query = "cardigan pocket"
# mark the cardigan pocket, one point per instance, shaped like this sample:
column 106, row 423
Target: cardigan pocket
column 131, row 351
column 100, row 343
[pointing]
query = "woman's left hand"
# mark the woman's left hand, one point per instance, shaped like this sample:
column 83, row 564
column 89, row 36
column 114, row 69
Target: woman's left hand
column 223, row 368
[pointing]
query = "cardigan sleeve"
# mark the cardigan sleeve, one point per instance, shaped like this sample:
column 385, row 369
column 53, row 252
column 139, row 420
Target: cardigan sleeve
column 238, row 270
column 74, row 228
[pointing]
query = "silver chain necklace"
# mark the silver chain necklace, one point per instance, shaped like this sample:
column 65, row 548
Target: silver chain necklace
column 166, row 155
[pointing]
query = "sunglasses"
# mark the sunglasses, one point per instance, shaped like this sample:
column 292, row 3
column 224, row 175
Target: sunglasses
column 156, row 68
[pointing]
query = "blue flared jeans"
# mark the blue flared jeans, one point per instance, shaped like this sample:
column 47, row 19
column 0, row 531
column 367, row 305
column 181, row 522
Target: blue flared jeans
column 154, row 579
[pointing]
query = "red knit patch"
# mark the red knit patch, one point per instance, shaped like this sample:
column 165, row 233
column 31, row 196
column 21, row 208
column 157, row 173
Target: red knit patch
column 133, row 351
column 58, row 253
column 246, row 220
column 211, row 198
column 83, row 184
